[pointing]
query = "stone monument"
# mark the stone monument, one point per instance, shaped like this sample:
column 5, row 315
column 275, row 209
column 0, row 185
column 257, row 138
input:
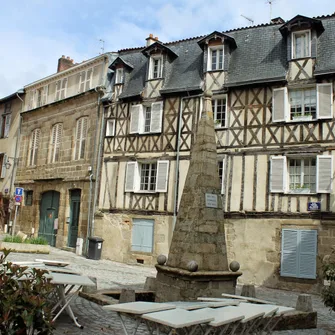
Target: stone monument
column 197, row 263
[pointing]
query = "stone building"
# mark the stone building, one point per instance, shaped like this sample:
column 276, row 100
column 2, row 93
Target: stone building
column 274, row 122
column 59, row 147
column 10, row 108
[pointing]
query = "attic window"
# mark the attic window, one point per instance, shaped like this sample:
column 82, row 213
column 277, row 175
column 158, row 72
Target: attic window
column 301, row 44
column 215, row 58
column 156, row 67
column 119, row 75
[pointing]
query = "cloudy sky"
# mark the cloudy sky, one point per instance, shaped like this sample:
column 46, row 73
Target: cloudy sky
column 35, row 33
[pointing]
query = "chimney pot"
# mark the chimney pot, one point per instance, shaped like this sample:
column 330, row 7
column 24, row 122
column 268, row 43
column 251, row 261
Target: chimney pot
column 151, row 35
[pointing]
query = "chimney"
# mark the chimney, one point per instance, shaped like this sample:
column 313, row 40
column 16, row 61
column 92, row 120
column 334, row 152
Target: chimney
column 64, row 63
column 277, row 20
column 151, row 39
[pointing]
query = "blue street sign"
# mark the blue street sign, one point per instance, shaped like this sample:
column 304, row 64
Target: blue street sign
column 314, row 206
column 19, row 191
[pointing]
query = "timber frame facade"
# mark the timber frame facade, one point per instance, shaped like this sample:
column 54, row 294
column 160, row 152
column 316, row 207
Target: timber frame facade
column 273, row 94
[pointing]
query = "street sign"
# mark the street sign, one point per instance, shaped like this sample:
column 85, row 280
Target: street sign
column 314, row 206
column 19, row 191
column 18, row 198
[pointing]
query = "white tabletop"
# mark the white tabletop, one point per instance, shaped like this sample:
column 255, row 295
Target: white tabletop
column 248, row 312
column 139, row 307
column 177, row 318
column 71, row 279
column 267, row 309
column 52, row 262
column 227, row 302
column 247, row 298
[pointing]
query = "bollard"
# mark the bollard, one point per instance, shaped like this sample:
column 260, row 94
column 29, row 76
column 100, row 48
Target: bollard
column 304, row 303
column 127, row 295
column 248, row 291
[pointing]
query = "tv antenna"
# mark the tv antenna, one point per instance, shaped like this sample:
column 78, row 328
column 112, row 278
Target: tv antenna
column 270, row 2
column 102, row 46
column 249, row 19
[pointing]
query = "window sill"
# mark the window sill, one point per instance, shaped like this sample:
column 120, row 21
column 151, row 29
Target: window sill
column 301, row 58
column 301, row 191
column 302, row 118
column 152, row 79
column 220, row 127
column 219, row 70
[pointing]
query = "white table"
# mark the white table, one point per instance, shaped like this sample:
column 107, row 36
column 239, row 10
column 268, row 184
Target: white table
column 228, row 302
column 259, row 301
column 135, row 310
column 176, row 319
column 67, row 287
column 52, row 262
column 191, row 305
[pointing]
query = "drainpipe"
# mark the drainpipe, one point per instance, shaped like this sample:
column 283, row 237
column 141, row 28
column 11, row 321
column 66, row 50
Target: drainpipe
column 176, row 189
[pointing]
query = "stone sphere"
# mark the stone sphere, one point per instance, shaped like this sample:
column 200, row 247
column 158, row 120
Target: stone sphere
column 234, row 266
column 161, row 259
column 192, row 266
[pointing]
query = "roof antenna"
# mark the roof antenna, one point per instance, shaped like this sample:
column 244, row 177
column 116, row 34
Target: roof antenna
column 249, row 19
column 270, row 2
column 102, row 46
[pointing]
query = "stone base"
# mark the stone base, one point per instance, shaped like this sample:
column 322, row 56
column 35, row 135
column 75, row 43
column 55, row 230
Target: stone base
column 24, row 247
column 174, row 284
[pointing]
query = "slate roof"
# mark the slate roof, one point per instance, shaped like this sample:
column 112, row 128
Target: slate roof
column 260, row 57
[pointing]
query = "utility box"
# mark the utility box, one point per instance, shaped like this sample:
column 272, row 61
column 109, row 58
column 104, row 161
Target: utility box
column 94, row 247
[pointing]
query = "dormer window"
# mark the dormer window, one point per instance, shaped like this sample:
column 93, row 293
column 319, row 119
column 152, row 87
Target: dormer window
column 156, row 67
column 215, row 58
column 119, row 75
column 301, row 44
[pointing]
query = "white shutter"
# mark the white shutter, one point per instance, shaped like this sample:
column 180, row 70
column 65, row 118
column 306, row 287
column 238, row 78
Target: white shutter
column 324, row 101
column 136, row 111
column 3, row 168
column 223, row 176
column 307, row 243
column 7, row 120
column 278, row 173
column 289, row 253
column 110, row 128
column 162, row 176
column 156, row 117
column 63, row 89
column 279, row 104
column 324, row 173
column 58, row 88
column 131, row 176
column 89, row 73
column 44, row 95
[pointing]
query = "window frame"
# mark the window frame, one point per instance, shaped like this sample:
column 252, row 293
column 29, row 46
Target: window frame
column 294, row 38
column 61, row 89
column 28, row 195
column 34, row 146
column 303, row 115
column 110, row 127
column 55, row 142
column 210, row 55
column 119, row 75
column 215, row 100
column 148, row 186
column 81, row 138
column 152, row 75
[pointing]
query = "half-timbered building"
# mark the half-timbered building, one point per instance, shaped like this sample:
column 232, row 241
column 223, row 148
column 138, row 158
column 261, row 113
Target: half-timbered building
column 273, row 93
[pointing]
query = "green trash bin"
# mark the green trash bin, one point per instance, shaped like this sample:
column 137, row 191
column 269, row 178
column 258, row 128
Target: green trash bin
column 94, row 247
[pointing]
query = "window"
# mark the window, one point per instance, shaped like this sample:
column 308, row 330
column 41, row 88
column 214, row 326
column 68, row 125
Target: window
column 110, row 127
column 85, row 80
column 221, row 169
column 219, row 112
column 298, row 254
column 156, row 67
column 3, row 161
column 303, row 104
column 146, row 119
column 142, row 235
column 28, row 198
column 119, row 73
column 81, row 134
column 5, row 125
column 301, row 42
column 56, row 137
column 33, row 147
column 61, row 86
column 215, row 58
column 147, row 176
column 301, row 174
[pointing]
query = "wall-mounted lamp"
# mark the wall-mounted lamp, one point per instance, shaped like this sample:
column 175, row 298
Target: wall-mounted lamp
column 8, row 164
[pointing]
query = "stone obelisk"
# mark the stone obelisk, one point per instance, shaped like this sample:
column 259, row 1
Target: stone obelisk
column 197, row 262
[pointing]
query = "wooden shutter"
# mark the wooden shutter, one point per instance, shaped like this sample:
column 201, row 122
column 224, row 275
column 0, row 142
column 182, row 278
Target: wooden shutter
column 58, row 89
column 55, row 142
column 324, row 172
column 88, row 79
column 7, row 120
column 278, row 173
column 82, row 81
column 279, row 104
column 223, row 176
column 34, row 144
column 162, row 176
column 136, row 113
column 83, row 138
column 110, row 128
column 142, row 235
column 81, row 134
column 313, row 44
column 324, row 101
column 307, row 242
column 156, row 117
column 131, row 176
column 44, row 95
column 289, row 253
column 3, row 167
column 63, row 89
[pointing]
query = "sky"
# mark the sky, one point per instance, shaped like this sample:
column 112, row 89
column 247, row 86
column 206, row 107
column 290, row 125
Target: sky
column 35, row 33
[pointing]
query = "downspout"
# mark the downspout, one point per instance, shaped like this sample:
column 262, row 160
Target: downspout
column 176, row 189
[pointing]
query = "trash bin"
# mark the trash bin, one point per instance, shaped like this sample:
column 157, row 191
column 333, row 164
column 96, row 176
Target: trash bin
column 94, row 247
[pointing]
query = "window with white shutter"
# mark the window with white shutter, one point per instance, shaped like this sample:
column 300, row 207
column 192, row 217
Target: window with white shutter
column 221, row 169
column 324, row 172
column 6, row 121
column 85, row 80
column 61, row 86
column 110, row 127
column 3, row 161
column 131, row 176
column 33, row 147
column 278, row 172
column 279, row 104
column 162, row 176
column 81, row 138
column 56, row 137
column 156, row 117
column 45, row 93
column 324, row 101
column 298, row 254
column 136, row 112
column 155, row 67
column 119, row 75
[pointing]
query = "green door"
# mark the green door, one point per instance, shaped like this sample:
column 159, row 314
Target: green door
column 74, row 217
column 48, row 213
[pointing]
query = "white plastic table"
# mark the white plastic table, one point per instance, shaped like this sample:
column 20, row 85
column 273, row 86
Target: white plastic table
column 135, row 310
column 260, row 301
column 191, row 305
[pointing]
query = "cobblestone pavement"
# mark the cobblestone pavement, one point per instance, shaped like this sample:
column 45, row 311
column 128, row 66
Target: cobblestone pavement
column 113, row 275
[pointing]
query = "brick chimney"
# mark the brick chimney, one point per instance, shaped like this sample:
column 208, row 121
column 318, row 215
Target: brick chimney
column 277, row 20
column 151, row 39
column 64, row 63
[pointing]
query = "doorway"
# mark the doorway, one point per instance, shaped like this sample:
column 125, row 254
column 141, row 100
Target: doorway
column 74, row 217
